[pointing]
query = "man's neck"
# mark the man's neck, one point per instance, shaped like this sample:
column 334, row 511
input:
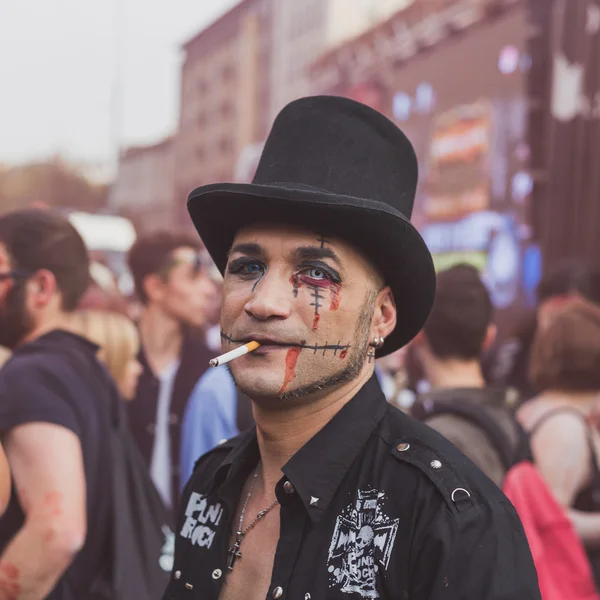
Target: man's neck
column 60, row 320
column 444, row 374
column 161, row 336
column 282, row 431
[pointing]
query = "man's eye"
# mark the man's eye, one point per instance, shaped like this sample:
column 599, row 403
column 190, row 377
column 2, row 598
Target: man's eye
column 253, row 268
column 317, row 274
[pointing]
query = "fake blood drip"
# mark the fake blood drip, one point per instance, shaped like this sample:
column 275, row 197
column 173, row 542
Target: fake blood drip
column 336, row 296
column 291, row 359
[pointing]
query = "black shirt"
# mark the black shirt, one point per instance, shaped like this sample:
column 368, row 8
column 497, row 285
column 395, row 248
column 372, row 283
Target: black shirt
column 142, row 411
column 379, row 506
column 54, row 380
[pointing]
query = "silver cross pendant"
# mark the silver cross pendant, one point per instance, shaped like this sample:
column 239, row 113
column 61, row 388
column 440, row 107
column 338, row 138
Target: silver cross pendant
column 234, row 551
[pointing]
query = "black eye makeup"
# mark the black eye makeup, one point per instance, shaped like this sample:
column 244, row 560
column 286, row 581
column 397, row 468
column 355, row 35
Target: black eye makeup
column 319, row 271
column 246, row 267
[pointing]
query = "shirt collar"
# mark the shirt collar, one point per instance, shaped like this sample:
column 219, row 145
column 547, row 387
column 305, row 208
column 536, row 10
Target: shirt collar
column 318, row 468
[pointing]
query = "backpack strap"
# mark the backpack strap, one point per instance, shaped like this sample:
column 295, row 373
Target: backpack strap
column 566, row 409
column 479, row 417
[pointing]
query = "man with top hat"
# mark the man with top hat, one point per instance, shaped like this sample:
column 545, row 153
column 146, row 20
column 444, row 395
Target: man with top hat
column 334, row 494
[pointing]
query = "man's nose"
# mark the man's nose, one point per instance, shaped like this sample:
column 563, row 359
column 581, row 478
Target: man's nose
column 271, row 298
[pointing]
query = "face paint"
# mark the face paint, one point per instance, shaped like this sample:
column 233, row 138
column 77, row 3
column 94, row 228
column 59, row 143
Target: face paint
column 311, row 267
column 290, row 367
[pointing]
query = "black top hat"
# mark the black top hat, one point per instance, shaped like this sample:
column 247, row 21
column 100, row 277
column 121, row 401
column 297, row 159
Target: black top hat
column 338, row 167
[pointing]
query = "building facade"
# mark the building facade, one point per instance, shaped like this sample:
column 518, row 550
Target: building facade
column 469, row 127
column 143, row 188
column 304, row 29
column 225, row 91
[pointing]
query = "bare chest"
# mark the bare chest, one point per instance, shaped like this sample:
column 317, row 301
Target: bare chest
column 252, row 570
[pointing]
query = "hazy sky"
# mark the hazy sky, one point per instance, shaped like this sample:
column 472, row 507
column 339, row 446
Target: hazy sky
column 58, row 65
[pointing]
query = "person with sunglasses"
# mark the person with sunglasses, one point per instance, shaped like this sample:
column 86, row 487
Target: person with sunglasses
column 172, row 280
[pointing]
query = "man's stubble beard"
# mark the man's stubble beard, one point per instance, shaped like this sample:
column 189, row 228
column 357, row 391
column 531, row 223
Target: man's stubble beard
column 15, row 323
column 354, row 365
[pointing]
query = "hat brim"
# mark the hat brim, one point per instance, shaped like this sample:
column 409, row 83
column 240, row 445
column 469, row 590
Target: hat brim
column 382, row 233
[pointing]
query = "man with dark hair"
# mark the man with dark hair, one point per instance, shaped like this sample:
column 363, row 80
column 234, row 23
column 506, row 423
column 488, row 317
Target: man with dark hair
column 450, row 346
column 171, row 276
column 334, row 493
column 54, row 417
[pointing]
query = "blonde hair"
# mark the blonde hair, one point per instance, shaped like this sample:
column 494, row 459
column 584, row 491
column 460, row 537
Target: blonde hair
column 116, row 335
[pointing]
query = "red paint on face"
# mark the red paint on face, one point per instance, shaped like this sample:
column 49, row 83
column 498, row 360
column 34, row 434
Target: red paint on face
column 316, row 322
column 9, row 570
column 291, row 359
column 336, row 296
column 343, row 354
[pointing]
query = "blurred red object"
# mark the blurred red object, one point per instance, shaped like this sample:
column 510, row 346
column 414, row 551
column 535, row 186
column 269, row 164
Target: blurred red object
column 564, row 571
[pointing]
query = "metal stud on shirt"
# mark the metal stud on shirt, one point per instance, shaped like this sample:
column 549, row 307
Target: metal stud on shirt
column 435, row 464
column 217, row 574
column 402, row 447
column 277, row 592
column 177, row 575
column 288, row 488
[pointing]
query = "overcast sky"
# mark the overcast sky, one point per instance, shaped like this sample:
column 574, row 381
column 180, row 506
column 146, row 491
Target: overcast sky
column 57, row 68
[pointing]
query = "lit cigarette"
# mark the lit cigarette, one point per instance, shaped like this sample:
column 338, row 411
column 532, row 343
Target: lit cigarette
column 225, row 358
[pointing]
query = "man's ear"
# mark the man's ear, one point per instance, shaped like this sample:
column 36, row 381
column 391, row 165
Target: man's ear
column 41, row 288
column 490, row 337
column 153, row 287
column 385, row 316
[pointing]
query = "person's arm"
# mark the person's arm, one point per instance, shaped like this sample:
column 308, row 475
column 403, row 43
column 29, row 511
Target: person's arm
column 5, row 481
column 47, row 465
column 479, row 553
column 562, row 454
column 209, row 418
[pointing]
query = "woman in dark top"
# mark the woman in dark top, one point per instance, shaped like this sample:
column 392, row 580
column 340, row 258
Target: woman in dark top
column 563, row 419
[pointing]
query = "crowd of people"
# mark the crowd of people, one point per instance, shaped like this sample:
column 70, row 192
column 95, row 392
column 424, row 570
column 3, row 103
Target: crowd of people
column 107, row 403
column 453, row 376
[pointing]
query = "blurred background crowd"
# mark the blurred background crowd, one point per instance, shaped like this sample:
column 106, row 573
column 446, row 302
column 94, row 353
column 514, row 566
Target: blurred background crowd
column 501, row 100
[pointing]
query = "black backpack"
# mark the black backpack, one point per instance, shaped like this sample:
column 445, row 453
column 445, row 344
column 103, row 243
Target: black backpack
column 142, row 545
column 510, row 450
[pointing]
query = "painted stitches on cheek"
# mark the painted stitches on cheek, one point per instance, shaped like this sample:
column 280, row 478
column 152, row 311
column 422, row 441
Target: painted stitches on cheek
column 335, row 348
column 316, row 295
column 295, row 285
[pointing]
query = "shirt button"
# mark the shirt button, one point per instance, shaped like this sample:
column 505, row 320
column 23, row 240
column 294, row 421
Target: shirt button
column 402, row 447
column 177, row 575
column 435, row 464
column 217, row 573
column 288, row 488
column 277, row 592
